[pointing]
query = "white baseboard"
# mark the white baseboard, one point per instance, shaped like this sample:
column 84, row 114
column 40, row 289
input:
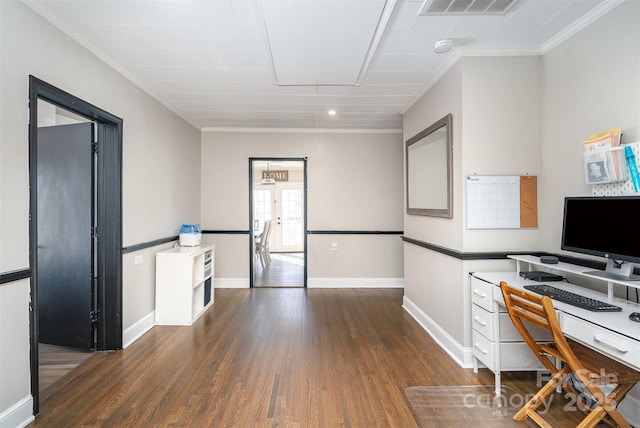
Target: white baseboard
column 461, row 355
column 19, row 415
column 231, row 283
column 355, row 283
column 136, row 331
column 322, row 283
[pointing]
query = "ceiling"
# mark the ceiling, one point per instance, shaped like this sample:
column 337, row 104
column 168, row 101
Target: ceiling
column 286, row 63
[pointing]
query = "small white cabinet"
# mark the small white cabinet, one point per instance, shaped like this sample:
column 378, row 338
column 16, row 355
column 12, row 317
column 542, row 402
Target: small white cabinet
column 184, row 278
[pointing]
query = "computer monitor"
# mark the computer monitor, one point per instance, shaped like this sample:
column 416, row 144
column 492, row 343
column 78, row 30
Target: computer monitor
column 607, row 227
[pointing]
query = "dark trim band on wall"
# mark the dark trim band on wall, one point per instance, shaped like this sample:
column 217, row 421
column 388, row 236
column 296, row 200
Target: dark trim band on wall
column 313, row 232
column 495, row 255
column 354, row 232
column 489, row 255
column 225, row 232
column 148, row 244
column 15, row 275
column 156, row 242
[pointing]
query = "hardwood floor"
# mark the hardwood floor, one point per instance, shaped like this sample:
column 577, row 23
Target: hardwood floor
column 56, row 361
column 285, row 270
column 271, row 357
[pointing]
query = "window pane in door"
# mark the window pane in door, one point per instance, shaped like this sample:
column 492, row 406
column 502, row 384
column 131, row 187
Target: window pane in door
column 261, row 208
column 291, row 217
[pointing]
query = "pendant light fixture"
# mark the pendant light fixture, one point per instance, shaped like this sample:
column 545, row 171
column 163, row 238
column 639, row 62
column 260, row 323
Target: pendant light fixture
column 267, row 180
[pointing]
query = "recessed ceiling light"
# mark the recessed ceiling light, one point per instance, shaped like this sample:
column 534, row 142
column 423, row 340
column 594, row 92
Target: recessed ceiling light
column 331, row 112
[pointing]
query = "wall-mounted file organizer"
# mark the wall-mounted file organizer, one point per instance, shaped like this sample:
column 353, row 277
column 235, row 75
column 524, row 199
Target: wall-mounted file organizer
column 606, row 165
column 501, row 201
column 623, row 187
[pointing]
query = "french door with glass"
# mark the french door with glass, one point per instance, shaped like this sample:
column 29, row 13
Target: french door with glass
column 282, row 203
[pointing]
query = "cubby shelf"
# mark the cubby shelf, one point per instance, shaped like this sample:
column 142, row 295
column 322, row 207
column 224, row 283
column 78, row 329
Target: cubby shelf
column 184, row 277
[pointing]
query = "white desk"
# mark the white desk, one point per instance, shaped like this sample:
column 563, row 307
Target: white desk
column 611, row 333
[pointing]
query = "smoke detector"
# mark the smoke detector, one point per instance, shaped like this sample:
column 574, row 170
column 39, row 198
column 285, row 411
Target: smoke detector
column 442, row 46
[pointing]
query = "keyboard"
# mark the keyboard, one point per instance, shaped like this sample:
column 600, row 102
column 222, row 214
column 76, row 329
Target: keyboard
column 573, row 298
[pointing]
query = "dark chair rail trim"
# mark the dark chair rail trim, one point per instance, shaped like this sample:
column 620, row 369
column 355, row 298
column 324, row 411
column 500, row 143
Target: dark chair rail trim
column 488, row 255
column 493, row 255
column 226, row 232
column 314, row 232
column 15, row 275
column 354, row 232
column 148, row 244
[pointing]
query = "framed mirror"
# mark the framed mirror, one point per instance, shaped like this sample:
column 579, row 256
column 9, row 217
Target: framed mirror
column 429, row 159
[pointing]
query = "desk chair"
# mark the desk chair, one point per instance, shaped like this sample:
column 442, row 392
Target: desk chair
column 267, row 239
column 591, row 368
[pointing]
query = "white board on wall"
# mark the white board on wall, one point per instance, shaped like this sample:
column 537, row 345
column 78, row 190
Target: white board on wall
column 493, row 202
column 502, row 201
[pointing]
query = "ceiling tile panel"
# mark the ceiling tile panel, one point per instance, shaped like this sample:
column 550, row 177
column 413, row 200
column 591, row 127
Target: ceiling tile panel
column 405, row 15
column 406, row 62
column 405, row 42
column 322, row 42
column 186, row 58
column 437, row 23
column 210, row 59
column 529, row 18
column 418, row 77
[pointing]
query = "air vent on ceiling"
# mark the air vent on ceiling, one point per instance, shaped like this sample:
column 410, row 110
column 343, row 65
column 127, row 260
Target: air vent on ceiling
column 467, row 7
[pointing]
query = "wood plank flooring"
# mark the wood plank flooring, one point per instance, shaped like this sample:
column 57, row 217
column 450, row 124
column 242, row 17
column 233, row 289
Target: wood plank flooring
column 270, row 357
column 285, row 270
column 56, row 361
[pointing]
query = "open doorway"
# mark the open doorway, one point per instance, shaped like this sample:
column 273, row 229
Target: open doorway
column 278, row 223
column 75, row 229
column 65, row 250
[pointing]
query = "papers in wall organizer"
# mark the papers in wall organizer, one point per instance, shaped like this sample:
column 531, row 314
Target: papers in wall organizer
column 602, row 160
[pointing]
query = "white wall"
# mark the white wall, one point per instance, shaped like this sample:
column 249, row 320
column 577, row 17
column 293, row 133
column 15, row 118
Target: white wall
column 443, row 98
column 432, row 280
column 354, row 183
column 591, row 84
column 495, row 104
column 161, row 174
column 501, row 136
column 519, row 115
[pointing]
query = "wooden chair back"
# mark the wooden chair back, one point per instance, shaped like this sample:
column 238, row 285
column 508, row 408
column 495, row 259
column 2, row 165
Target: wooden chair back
column 591, row 368
column 525, row 307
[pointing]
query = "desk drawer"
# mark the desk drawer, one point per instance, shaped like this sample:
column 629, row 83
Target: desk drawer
column 514, row 356
column 484, row 350
column 483, row 322
column 613, row 344
column 481, row 293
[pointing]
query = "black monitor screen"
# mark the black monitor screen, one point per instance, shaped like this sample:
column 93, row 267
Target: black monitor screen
column 603, row 226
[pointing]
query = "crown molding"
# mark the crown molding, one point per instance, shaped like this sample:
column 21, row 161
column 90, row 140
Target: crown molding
column 106, row 59
column 602, row 9
column 453, row 59
column 301, row 130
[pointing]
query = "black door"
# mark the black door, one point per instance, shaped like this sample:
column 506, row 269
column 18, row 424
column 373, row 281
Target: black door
column 64, row 235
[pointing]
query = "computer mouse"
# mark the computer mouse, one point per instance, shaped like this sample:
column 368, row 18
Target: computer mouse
column 635, row 316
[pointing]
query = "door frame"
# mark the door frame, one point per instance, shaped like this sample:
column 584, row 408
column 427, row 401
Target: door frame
column 108, row 269
column 252, row 260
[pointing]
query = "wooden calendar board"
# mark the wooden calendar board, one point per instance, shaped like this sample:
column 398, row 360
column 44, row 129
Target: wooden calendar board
column 502, row 202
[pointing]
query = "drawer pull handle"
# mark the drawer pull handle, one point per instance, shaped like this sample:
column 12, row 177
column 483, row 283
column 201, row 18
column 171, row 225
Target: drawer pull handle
column 477, row 293
column 609, row 344
column 484, row 351
column 479, row 321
